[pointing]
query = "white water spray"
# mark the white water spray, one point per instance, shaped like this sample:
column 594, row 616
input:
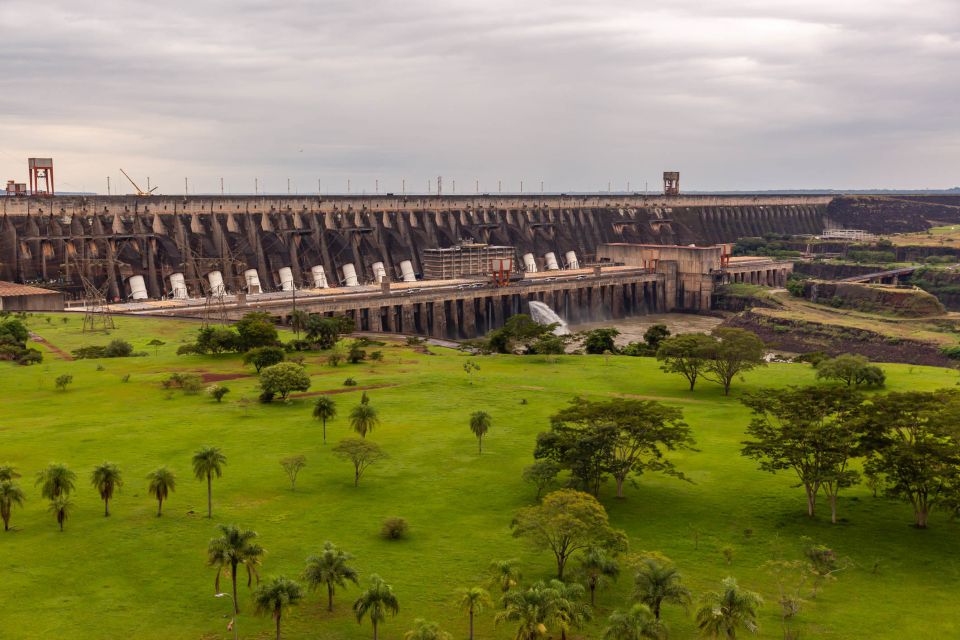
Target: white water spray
column 542, row 314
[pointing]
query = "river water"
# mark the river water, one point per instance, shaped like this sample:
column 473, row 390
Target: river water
column 632, row 329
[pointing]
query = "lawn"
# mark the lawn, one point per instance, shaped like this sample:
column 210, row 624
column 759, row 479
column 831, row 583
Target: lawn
column 139, row 576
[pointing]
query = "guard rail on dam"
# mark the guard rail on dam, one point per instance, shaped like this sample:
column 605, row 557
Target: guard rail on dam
column 445, row 308
column 123, row 242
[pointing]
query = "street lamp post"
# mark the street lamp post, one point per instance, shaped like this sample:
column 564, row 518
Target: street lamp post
column 233, row 621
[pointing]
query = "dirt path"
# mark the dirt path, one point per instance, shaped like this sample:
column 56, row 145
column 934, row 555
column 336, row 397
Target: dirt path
column 63, row 355
column 331, row 392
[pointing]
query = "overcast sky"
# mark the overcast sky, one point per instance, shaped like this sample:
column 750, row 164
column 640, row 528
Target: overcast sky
column 735, row 94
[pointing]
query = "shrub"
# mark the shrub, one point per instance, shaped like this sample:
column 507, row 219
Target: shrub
column 265, row 397
column 217, row 391
column 299, row 345
column 394, row 528
column 261, row 357
column 118, row 349
column 349, row 382
column 125, row 378
column 376, row 356
column 280, row 379
column 356, row 354
column 191, row 385
column 63, row 381
column 951, row 352
column 413, row 341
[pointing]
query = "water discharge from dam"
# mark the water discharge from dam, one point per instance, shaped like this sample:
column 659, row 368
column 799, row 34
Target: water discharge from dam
column 543, row 314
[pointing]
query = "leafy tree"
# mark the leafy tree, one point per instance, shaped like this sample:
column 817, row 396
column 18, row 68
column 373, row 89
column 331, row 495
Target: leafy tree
column 276, row 595
column 569, row 611
column 737, row 352
column 207, row 462
column 216, row 340
column 658, row 581
column 324, row 409
column 424, row 630
column 60, row 507
column 541, row 474
column 375, row 603
column 10, row 494
column 330, row 569
column 505, row 574
column 232, row 548
column 480, row 425
column 598, row 567
column 118, row 349
column 161, row 482
column 469, row 367
column 473, row 601
column 636, row 624
column 55, row 481
column 106, row 478
column 619, row 437
column 394, row 528
column 261, row 357
column 851, row 369
column 725, row 612
column 8, row 472
column 550, row 344
column 531, row 609
column 599, row 340
column 292, row 466
column 823, row 563
column 256, row 329
column 217, row 391
column 363, row 418
column 326, row 331
column 812, row 431
column 914, row 445
column 655, row 335
column 156, row 343
column 687, row 354
column 517, row 333
column 360, row 453
column 298, row 321
column 62, row 381
column 356, row 353
column 566, row 523
column 280, row 379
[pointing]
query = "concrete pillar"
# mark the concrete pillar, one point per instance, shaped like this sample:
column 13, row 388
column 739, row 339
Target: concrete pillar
column 453, row 318
column 469, row 324
column 616, row 300
column 406, row 319
column 374, row 321
column 439, row 329
column 498, row 302
column 596, row 303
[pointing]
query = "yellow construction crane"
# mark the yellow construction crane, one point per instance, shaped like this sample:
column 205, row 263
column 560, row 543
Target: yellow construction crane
column 140, row 192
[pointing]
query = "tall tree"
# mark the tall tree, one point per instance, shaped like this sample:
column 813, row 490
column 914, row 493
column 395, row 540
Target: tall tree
column 686, row 354
column 375, row 603
column 915, row 446
column 55, row 481
column 324, row 409
column 812, row 431
column 360, row 453
column 283, row 378
column 480, row 425
column 727, row 611
column 737, row 352
column 619, row 437
column 566, row 523
column 256, row 329
column 207, row 462
column 330, row 569
column 161, row 483
column 473, row 601
column 541, row 474
column 531, row 609
column 638, row 623
column 658, row 581
column 363, row 418
column 60, row 506
column 292, row 466
column 851, row 369
column 505, row 575
column 275, row 596
column 106, row 479
column 8, row 472
column 10, row 495
column 569, row 612
column 598, row 567
column 232, row 548
column 298, row 321
column 425, row 630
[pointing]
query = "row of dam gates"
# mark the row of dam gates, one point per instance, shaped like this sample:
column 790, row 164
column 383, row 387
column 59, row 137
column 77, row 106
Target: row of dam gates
column 162, row 247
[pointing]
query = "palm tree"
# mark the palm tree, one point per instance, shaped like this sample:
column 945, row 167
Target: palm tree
column 531, row 609
column 724, row 612
column 8, row 472
column 298, row 321
column 636, row 624
column 505, row 574
column 569, row 612
column 10, row 494
column 233, row 548
column 376, row 602
column 480, row 424
column 56, row 480
column 330, row 569
column 208, row 461
column 598, row 567
column 60, row 506
column 106, row 478
column 473, row 600
column 162, row 483
column 274, row 596
column 657, row 582
column 363, row 418
column 423, row 630
column 324, row 409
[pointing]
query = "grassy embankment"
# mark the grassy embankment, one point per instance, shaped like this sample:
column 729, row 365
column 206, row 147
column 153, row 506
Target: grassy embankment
column 136, row 575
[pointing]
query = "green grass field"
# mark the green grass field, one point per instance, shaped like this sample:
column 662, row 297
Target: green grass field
column 135, row 575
